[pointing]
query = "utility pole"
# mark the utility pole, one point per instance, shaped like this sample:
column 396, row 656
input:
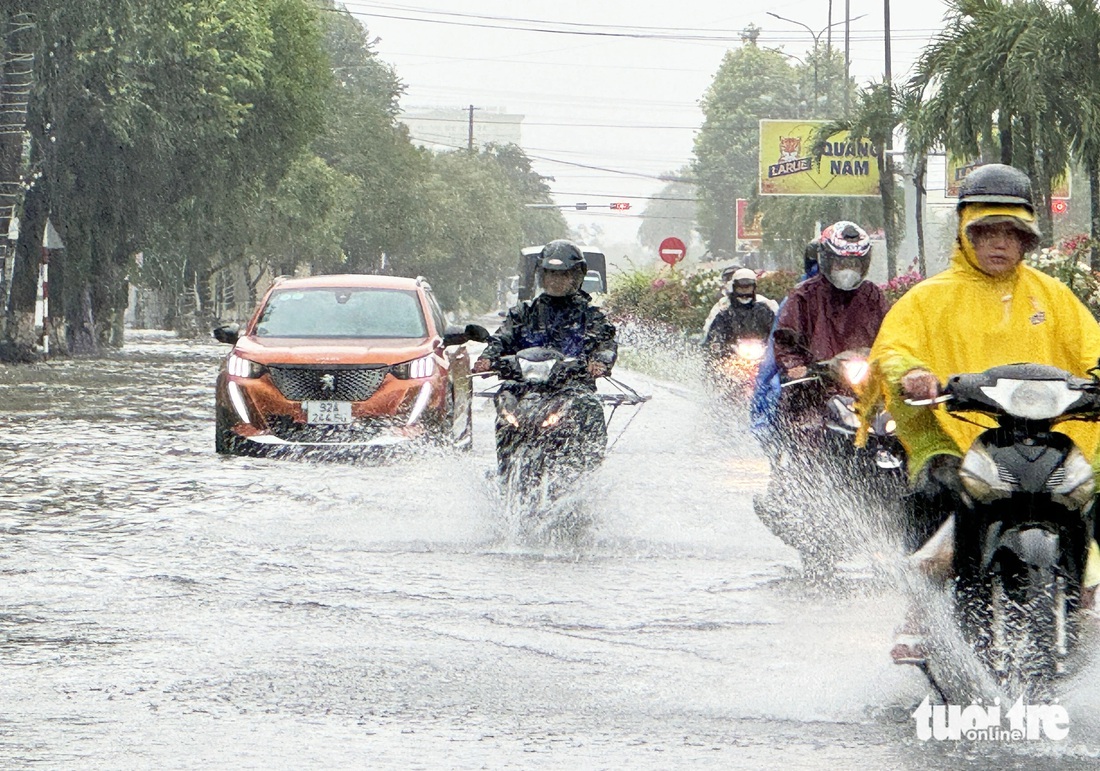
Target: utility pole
column 847, row 55
column 886, row 20
column 470, row 133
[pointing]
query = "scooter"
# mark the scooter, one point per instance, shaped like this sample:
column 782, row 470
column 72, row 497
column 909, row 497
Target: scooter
column 550, row 430
column 1022, row 533
column 826, row 495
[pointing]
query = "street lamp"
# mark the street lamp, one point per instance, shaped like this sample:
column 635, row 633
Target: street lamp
column 816, row 37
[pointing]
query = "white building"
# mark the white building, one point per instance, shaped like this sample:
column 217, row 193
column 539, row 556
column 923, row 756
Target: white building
column 445, row 128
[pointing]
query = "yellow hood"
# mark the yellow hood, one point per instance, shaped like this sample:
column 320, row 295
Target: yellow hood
column 963, row 255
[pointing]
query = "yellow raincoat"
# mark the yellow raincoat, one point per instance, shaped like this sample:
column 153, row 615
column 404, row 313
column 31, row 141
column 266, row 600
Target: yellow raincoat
column 963, row 320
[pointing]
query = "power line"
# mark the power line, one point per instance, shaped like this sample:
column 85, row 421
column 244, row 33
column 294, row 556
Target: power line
column 605, row 30
column 632, row 197
column 661, row 178
column 406, row 116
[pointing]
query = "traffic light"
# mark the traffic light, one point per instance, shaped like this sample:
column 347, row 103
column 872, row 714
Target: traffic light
column 620, row 206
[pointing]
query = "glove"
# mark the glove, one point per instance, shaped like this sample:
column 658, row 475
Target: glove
column 940, row 475
column 482, row 365
column 920, row 384
column 598, row 369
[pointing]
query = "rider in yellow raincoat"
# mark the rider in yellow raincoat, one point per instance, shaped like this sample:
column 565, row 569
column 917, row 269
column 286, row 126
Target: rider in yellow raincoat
column 986, row 309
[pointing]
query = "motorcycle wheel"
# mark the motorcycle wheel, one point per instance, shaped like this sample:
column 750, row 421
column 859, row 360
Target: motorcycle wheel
column 1029, row 631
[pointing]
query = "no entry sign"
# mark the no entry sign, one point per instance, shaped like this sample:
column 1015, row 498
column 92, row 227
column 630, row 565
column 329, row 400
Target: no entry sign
column 672, row 250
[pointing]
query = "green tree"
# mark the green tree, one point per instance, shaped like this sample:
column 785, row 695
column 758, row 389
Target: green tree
column 754, row 84
column 751, row 84
column 473, row 230
column 994, row 92
column 157, row 121
column 672, row 212
column 538, row 225
column 1075, row 60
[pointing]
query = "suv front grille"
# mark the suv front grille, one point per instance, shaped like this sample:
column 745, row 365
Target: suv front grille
column 319, row 383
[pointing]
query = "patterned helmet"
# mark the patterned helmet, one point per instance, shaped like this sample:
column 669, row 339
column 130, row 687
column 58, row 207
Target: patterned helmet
column 845, row 240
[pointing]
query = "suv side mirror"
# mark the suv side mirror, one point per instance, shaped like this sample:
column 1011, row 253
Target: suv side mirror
column 455, row 335
column 227, row 334
column 477, row 333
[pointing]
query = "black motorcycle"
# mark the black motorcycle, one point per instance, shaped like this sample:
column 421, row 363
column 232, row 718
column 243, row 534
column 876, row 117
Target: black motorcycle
column 1024, row 528
column 550, row 430
column 826, row 495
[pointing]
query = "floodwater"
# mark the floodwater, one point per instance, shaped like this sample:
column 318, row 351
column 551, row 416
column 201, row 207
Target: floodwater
column 165, row 607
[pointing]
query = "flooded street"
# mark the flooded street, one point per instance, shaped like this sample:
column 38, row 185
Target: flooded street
column 165, row 607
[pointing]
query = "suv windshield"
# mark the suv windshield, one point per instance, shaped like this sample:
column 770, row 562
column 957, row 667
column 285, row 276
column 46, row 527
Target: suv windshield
column 342, row 312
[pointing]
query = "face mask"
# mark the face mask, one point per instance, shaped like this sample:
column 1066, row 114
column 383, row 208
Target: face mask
column 845, row 280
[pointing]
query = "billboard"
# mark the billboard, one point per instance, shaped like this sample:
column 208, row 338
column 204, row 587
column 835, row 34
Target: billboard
column 957, row 168
column 787, row 168
column 750, row 233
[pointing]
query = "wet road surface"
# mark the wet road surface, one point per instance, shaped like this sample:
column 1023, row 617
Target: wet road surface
column 164, row 607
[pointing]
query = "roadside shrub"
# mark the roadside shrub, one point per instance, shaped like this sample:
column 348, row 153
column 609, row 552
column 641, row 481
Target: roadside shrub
column 1068, row 261
column 899, row 285
column 777, row 284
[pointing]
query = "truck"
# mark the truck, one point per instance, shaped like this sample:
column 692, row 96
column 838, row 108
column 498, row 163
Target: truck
column 595, row 281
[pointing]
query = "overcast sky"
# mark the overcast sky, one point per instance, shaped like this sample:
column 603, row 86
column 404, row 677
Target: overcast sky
column 628, row 104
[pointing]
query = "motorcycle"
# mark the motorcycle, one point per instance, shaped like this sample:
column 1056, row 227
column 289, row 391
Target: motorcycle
column 826, row 495
column 1023, row 531
column 550, row 431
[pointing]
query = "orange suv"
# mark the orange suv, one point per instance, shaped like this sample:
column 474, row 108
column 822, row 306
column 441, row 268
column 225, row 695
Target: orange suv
column 347, row 361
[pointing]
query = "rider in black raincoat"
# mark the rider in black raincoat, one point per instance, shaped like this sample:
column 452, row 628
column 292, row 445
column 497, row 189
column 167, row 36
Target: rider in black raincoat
column 561, row 317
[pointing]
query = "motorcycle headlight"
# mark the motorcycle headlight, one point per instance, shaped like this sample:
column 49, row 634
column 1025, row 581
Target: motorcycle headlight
column 1032, row 399
column 855, row 371
column 551, row 420
column 981, row 476
column 1073, row 484
column 417, row 368
column 238, row 366
column 752, row 350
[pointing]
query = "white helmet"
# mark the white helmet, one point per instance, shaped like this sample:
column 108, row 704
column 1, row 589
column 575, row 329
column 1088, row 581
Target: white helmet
column 742, row 286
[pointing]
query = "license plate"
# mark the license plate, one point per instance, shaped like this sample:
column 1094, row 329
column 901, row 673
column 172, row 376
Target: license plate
column 328, row 413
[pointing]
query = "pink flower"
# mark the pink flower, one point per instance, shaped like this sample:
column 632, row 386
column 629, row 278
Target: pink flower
column 658, row 283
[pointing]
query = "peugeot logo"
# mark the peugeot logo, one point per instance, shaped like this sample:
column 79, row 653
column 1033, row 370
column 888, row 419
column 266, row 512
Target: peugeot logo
column 328, row 382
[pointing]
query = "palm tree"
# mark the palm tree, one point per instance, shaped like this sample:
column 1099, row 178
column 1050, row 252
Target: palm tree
column 875, row 117
column 1075, row 59
column 922, row 136
column 993, row 89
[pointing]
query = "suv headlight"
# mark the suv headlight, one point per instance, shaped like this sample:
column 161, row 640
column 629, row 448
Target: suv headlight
column 238, row 366
column 417, row 368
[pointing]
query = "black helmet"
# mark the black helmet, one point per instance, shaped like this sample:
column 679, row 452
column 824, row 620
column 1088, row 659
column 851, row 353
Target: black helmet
column 562, row 255
column 996, row 183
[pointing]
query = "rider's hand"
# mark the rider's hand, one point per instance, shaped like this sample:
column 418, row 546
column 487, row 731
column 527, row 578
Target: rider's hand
column 920, row 385
column 598, row 369
column 794, row 373
column 482, row 365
